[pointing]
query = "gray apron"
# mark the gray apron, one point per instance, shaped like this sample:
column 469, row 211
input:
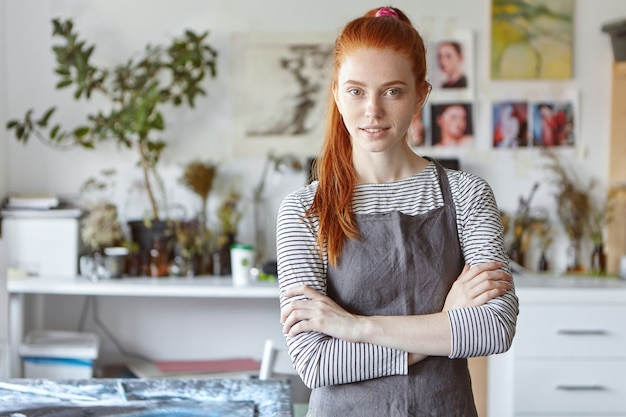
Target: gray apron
column 402, row 265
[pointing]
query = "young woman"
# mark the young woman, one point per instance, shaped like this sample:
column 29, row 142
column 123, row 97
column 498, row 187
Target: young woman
column 391, row 268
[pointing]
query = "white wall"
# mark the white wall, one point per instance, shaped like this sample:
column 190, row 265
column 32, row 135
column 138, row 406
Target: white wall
column 4, row 182
column 120, row 28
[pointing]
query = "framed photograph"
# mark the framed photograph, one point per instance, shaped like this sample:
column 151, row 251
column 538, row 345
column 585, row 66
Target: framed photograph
column 451, row 71
column 553, row 123
column 510, row 124
column 282, row 83
column 452, row 124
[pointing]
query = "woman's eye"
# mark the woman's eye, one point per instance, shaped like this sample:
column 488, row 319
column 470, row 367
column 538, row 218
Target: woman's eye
column 354, row 92
column 393, row 92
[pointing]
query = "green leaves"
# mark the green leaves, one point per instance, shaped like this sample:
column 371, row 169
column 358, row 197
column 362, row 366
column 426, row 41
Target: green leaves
column 136, row 92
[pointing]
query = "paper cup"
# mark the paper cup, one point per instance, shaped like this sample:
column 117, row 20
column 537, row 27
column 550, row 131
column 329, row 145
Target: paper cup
column 241, row 261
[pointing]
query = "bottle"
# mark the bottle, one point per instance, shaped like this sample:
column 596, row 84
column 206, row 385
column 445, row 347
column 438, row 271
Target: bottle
column 159, row 259
column 598, row 260
column 543, row 263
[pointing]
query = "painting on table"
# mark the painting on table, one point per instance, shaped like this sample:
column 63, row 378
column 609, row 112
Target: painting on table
column 145, row 398
column 531, row 39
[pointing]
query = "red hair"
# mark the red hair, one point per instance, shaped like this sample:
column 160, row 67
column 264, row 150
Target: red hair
column 334, row 169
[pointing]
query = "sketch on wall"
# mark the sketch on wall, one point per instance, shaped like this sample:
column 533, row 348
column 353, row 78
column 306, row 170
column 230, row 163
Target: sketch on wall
column 281, row 85
column 532, row 39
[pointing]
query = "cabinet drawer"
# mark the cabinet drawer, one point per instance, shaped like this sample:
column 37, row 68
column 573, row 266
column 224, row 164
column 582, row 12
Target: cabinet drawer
column 570, row 386
column 571, row 331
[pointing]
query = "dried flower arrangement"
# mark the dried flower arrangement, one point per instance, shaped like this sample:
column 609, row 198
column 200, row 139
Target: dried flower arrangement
column 101, row 227
column 521, row 226
column 573, row 200
column 198, row 177
column 228, row 216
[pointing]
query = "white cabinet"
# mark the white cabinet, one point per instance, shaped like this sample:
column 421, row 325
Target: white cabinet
column 569, row 353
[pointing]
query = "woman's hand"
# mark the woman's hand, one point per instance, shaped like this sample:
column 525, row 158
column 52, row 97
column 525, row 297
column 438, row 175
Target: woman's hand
column 318, row 313
column 478, row 284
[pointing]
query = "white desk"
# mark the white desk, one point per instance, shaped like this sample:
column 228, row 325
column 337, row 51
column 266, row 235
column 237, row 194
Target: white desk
column 197, row 287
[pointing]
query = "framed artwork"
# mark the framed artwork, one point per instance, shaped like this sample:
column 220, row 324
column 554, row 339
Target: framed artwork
column 281, row 88
column 532, row 39
column 451, row 71
column 452, row 124
column 510, row 124
column 553, row 123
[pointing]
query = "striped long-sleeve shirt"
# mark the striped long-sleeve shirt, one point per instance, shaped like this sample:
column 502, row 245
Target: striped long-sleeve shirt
column 476, row 331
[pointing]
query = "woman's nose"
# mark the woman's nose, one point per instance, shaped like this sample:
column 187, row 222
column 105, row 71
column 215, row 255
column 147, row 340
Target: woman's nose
column 373, row 108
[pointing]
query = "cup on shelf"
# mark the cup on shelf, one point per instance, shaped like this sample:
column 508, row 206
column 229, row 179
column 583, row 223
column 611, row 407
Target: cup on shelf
column 241, row 261
column 115, row 261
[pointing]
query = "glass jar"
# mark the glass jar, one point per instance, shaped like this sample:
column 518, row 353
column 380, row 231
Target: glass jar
column 159, row 259
column 598, row 260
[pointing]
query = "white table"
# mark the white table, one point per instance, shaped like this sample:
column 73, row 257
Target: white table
column 197, row 287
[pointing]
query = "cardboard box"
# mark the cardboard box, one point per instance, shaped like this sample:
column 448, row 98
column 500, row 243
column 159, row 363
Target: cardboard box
column 57, row 354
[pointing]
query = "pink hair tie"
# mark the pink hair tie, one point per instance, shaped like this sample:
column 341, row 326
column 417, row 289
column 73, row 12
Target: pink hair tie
column 387, row 11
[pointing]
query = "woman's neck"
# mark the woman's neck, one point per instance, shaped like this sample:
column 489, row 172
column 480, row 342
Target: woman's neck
column 380, row 168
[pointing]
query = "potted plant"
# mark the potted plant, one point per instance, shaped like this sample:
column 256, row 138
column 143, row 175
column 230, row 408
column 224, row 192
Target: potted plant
column 193, row 238
column 135, row 94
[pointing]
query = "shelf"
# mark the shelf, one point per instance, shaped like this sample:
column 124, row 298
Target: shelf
column 196, row 287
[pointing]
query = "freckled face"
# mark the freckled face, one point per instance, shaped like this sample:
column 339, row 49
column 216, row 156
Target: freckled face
column 376, row 96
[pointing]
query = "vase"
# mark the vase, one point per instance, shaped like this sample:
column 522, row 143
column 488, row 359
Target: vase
column 159, row 259
column 573, row 257
column 221, row 257
column 145, row 234
column 543, row 264
column 598, row 260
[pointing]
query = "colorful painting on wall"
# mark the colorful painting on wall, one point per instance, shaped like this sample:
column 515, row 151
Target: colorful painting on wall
column 531, row 39
column 510, row 124
column 553, row 123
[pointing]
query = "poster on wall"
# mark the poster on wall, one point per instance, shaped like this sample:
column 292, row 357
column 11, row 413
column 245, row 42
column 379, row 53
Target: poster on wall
column 553, row 124
column 546, row 123
column 452, row 124
column 281, row 88
column 451, row 68
column 532, row 39
column 510, row 124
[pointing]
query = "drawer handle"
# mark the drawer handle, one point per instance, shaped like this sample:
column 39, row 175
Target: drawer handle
column 580, row 388
column 582, row 332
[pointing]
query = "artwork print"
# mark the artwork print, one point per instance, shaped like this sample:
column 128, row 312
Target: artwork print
column 451, row 66
column 452, row 124
column 510, row 124
column 532, row 39
column 553, row 123
column 281, row 84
